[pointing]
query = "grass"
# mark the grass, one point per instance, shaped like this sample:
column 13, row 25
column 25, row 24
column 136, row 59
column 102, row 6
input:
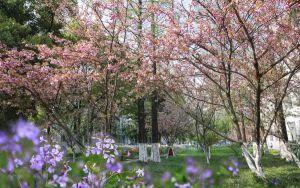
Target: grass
column 287, row 173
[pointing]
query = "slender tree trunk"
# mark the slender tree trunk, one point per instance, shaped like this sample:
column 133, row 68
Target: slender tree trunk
column 206, row 150
column 142, row 137
column 285, row 149
column 142, row 131
column 254, row 162
column 155, row 155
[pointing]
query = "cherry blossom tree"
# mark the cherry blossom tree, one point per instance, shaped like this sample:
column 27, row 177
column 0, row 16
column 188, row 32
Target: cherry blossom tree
column 243, row 49
column 173, row 123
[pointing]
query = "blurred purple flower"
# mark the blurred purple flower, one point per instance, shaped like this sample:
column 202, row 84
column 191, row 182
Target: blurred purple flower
column 166, row 176
column 15, row 148
column 186, row 185
column 114, row 167
column 235, row 162
column 80, row 185
column 61, row 181
column 148, row 178
column 191, row 170
column 234, row 169
column 18, row 162
column 10, row 166
column 206, row 175
column 91, row 177
column 190, row 161
column 24, row 184
column 37, row 163
column 26, row 130
column 3, row 138
column 275, row 181
column 51, row 169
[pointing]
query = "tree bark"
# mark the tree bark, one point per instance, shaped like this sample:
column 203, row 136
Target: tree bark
column 155, row 156
column 143, row 155
column 285, row 150
column 142, row 137
column 254, row 162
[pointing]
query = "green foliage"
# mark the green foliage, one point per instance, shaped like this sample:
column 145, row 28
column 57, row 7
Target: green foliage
column 274, row 167
column 12, row 33
column 26, row 20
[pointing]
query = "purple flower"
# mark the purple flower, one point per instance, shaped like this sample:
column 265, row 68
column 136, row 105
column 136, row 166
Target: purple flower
column 3, row 138
column 186, row 185
column 80, row 185
column 116, row 152
column 275, row 181
column 91, row 177
column 234, row 169
column 37, row 163
column 61, row 181
column 15, row 148
column 10, row 166
column 206, row 174
column 114, row 167
column 24, row 184
column 191, row 170
column 26, row 130
column 166, row 176
column 18, row 162
column 235, row 162
column 190, row 161
column 51, row 169
column 148, row 178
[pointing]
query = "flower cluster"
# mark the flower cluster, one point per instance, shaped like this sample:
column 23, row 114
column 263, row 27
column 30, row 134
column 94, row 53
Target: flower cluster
column 47, row 155
column 104, row 146
column 12, row 143
column 21, row 130
column 234, row 167
column 194, row 173
column 48, row 164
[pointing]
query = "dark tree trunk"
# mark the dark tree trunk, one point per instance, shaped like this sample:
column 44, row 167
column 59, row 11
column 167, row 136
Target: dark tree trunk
column 154, row 116
column 141, row 120
column 281, row 122
column 155, row 153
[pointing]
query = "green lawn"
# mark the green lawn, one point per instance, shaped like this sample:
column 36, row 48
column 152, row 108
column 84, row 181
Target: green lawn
column 287, row 173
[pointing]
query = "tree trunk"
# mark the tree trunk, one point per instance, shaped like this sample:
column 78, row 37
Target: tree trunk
column 155, row 155
column 207, row 154
column 142, row 131
column 142, row 138
column 143, row 156
column 287, row 153
column 254, row 162
column 285, row 150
